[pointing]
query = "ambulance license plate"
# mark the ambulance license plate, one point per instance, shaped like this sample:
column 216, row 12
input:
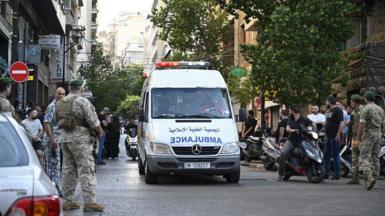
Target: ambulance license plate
column 197, row 165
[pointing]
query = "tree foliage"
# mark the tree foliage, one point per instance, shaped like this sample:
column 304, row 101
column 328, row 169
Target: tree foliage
column 297, row 56
column 130, row 106
column 193, row 26
column 110, row 86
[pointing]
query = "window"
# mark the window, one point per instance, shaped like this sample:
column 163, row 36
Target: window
column 12, row 150
column 146, row 111
column 190, row 103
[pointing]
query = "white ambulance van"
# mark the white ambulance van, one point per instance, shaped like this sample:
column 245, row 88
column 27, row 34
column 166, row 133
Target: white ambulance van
column 186, row 125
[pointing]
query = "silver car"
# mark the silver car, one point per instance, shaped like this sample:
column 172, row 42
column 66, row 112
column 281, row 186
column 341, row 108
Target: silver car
column 24, row 187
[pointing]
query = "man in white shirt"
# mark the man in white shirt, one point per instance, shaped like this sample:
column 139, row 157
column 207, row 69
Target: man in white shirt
column 35, row 130
column 317, row 118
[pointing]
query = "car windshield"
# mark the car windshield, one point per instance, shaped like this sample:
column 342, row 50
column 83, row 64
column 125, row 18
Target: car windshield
column 190, row 103
column 12, row 150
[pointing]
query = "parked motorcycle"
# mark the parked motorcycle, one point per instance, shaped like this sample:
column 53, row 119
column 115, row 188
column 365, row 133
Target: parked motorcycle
column 321, row 138
column 306, row 159
column 252, row 150
column 132, row 143
column 271, row 154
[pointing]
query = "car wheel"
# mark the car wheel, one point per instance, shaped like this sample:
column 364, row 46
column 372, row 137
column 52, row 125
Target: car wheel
column 233, row 178
column 150, row 177
column 141, row 167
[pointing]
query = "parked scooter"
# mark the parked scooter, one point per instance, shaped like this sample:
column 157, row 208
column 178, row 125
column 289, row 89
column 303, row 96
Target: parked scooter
column 132, row 143
column 252, row 150
column 306, row 159
column 271, row 154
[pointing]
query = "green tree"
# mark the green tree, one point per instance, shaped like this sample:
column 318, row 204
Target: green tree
column 191, row 26
column 130, row 106
column 110, row 86
column 297, row 55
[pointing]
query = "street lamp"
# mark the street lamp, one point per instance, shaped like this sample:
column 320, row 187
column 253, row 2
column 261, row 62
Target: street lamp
column 77, row 36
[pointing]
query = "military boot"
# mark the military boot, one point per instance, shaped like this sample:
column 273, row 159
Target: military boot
column 370, row 182
column 93, row 207
column 69, row 205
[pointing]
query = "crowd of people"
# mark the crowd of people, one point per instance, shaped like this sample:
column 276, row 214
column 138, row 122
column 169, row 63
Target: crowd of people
column 361, row 124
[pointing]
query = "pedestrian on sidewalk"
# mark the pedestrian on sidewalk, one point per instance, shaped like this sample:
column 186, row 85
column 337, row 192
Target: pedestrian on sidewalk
column 102, row 116
column 52, row 142
column 35, row 130
column 113, row 138
column 78, row 123
column 354, row 123
column 333, row 129
column 250, row 125
column 369, row 134
column 5, row 91
column 317, row 118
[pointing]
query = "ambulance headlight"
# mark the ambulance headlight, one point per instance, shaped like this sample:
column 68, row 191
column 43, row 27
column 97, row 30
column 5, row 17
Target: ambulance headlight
column 231, row 148
column 158, row 148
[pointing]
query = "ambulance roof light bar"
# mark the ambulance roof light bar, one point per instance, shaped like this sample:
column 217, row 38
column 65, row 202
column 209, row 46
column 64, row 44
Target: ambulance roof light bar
column 183, row 65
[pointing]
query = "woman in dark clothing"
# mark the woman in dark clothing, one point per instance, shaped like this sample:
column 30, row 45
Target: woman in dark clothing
column 112, row 138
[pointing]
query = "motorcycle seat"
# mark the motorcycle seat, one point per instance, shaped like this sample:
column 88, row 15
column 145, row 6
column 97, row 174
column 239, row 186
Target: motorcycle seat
column 253, row 138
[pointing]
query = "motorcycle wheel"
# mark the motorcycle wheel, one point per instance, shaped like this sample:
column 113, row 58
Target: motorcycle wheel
column 345, row 171
column 247, row 156
column 268, row 165
column 286, row 177
column 134, row 154
column 315, row 173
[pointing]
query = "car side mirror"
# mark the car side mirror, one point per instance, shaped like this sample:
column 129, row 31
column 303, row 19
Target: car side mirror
column 242, row 115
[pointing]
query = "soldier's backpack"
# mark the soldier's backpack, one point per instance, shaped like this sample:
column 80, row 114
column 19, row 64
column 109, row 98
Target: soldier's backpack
column 64, row 114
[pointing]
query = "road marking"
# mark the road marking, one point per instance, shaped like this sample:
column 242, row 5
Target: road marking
column 19, row 72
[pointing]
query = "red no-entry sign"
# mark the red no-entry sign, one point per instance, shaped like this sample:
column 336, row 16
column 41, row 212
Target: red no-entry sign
column 19, row 72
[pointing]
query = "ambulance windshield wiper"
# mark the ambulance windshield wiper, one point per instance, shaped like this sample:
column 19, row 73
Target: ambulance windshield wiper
column 166, row 116
column 192, row 116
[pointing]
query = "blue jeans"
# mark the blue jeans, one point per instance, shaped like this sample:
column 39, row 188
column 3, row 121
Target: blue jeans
column 332, row 148
column 101, row 147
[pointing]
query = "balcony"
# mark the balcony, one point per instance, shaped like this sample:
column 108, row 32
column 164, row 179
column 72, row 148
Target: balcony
column 367, row 71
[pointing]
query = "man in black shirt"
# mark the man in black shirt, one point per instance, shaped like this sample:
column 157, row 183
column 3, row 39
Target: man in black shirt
column 295, row 122
column 333, row 129
column 281, row 132
column 250, row 125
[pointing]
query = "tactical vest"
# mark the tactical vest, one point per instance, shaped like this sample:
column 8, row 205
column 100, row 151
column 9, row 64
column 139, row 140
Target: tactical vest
column 66, row 118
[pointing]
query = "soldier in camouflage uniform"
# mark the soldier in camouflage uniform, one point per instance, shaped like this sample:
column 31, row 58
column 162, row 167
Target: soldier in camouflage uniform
column 51, row 141
column 77, row 148
column 354, row 122
column 369, row 134
column 5, row 91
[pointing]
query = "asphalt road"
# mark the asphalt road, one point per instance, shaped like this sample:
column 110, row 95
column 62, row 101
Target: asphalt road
column 124, row 192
